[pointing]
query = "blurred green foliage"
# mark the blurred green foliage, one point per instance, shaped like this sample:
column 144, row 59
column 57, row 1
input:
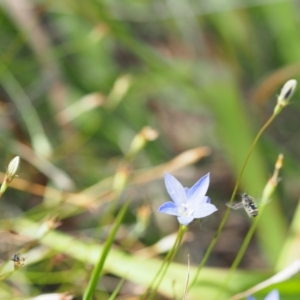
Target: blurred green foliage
column 81, row 79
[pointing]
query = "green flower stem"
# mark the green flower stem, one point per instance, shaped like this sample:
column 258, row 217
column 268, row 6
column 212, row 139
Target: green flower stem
column 114, row 295
column 88, row 294
column 215, row 238
column 240, row 253
column 267, row 192
column 143, row 297
column 165, row 265
column 174, row 250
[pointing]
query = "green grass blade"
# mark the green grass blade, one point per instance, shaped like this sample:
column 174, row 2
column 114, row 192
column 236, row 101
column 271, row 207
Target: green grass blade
column 99, row 266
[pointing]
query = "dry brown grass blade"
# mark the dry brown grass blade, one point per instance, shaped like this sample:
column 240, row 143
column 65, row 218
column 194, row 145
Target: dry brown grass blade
column 90, row 197
column 271, row 84
column 184, row 159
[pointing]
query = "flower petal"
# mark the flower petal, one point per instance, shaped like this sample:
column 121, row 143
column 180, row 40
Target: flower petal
column 205, row 199
column 185, row 220
column 175, row 189
column 204, row 210
column 199, row 189
column 273, row 295
column 169, row 208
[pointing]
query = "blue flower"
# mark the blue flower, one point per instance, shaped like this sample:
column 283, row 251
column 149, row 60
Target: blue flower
column 188, row 204
column 273, row 295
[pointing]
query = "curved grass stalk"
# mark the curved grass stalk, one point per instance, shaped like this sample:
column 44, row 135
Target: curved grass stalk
column 219, row 230
column 283, row 98
column 268, row 190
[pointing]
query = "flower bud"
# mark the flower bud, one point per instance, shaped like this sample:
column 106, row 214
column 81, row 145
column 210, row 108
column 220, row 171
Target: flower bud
column 285, row 95
column 13, row 168
column 287, row 92
column 140, row 140
column 10, row 174
column 273, row 181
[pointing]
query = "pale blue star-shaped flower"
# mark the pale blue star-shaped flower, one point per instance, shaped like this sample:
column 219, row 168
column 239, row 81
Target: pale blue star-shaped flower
column 273, row 295
column 188, row 204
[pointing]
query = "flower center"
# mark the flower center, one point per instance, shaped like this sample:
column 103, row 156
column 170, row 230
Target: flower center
column 184, row 210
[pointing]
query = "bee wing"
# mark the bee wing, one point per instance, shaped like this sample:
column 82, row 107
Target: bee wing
column 235, row 205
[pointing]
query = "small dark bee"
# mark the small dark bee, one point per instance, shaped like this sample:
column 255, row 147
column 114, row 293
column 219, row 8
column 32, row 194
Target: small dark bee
column 18, row 260
column 247, row 203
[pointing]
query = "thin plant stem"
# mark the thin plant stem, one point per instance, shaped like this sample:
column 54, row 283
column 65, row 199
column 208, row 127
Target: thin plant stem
column 268, row 190
column 114, row 295
column 219, row 230
column 240, row 254
column 174, row 250
column 187, row 279
column 88, row 294
column 143, row 297
column 165, row 265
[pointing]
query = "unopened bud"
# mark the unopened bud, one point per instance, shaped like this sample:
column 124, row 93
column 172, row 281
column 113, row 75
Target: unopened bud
column 140, row 140
column 285, row 95
column 121, row 178
column 10, row 174
column 13, row 168
column 273, row 181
